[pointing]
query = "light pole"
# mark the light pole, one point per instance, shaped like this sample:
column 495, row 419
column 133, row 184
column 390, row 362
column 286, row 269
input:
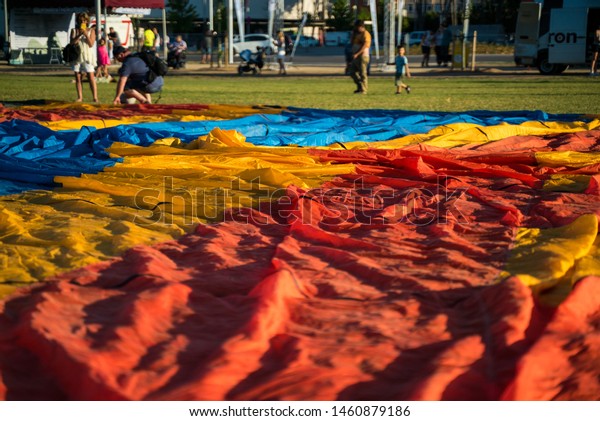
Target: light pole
column 247, row 16
column 355, row 12
column 6, row 30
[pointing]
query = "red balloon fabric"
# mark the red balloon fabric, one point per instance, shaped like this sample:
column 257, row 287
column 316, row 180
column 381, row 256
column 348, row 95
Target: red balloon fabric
column 380, row 285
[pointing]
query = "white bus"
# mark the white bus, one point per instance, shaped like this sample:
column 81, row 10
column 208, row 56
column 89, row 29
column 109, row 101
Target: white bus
column 554, row 34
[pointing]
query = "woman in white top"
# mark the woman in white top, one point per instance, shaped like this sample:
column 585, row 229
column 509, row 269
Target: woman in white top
column 281, row 52
column 85, row 37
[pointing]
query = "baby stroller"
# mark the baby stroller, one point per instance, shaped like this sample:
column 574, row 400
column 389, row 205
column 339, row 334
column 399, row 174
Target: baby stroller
column 251, row 62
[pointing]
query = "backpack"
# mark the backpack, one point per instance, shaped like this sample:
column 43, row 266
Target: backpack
column 71, row 53
column 157, row 66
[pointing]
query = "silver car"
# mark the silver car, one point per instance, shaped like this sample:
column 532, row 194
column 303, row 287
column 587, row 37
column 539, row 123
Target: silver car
column 251, row 41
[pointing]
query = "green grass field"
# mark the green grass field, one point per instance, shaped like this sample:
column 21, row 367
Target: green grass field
column 571, row 93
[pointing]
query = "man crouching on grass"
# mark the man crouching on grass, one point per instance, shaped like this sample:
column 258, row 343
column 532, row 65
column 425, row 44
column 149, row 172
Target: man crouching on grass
column 134, row 81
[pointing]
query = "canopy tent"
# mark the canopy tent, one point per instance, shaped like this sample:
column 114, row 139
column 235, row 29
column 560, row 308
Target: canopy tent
column 152, row 4
column 97, row 4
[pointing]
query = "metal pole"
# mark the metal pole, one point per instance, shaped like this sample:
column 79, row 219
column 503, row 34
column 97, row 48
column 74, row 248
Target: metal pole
column 465, row 33
column 300, row 29
column 400, row 9
column 6, row 30
column 390, row 33
column 230, row 31
column 373, row 7
column 164, row 32
column 105, row 23
column 271, row 24
column 211, row 12
column 473, row 51
column 98, row 18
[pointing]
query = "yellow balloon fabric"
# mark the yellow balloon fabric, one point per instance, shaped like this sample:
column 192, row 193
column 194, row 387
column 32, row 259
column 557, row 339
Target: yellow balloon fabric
column 157, row 194
column 460, row 134
column 161, row 192
column 551, row 260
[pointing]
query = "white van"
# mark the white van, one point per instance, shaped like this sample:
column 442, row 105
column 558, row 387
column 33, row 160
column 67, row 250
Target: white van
column 553, row 35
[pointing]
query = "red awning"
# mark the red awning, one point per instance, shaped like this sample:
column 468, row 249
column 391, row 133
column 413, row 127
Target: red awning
column 147, row 4
column 144, row 4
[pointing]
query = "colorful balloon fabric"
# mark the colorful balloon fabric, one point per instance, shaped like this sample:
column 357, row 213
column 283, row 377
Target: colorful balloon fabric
column 210, row 252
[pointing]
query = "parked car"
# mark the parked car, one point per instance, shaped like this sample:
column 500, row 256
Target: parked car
column 251, row 41
column 415, row 37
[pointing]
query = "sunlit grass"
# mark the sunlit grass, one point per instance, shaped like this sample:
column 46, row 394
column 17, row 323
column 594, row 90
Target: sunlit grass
column 556, row 94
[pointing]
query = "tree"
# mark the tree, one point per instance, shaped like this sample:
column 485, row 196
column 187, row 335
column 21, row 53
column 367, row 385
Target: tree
column 342, row 17
column 181, row 14
column 503, row 12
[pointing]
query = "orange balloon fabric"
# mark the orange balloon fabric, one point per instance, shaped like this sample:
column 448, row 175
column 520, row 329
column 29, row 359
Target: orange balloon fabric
column 381, row 285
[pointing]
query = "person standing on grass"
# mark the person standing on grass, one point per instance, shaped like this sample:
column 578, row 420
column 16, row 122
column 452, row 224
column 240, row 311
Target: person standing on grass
column 281, row 52
column 595, row 52
column 84, row 36
column 426, row 41
column 102, row 74
column 149, row 39
column 402, row 70
column 361, row 43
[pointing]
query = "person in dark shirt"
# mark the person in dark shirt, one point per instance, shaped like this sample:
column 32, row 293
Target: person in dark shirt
column 113, row 36
column 134, row 83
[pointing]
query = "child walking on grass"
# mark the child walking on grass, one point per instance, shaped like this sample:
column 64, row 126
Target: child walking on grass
column 402, row 70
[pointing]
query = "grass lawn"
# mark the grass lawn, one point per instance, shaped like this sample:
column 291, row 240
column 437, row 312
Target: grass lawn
column 571, row 93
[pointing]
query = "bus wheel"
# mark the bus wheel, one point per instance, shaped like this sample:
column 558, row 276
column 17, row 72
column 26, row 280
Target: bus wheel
column 547, row 68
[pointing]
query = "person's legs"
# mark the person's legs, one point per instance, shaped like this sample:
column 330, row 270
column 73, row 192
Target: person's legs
column 446, row 54
column 594, row 68
column 93, row 87
column 281, row 65
column 438, row 54
column 364, row 64
column 133, row 94
column 78, row 87
column 355, row 73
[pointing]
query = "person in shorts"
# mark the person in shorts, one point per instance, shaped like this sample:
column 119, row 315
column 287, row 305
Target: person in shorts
column 402, row 71
column 84, row 35
column 134, row 82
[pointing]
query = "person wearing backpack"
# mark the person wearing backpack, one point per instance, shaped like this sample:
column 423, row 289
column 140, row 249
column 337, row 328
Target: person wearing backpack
column 136, row 80
column 84, row 36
